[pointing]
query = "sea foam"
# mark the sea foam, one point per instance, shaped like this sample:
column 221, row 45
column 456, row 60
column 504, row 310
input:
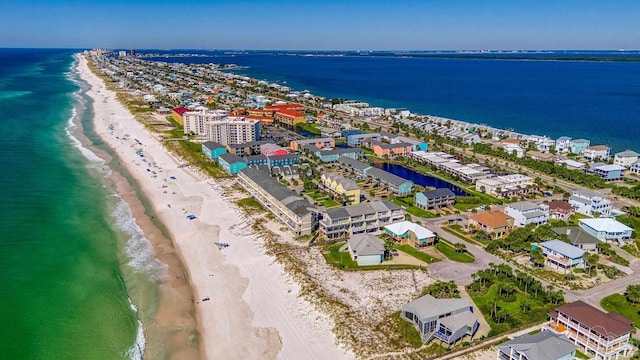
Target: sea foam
column 138, row 248
column 136, row 352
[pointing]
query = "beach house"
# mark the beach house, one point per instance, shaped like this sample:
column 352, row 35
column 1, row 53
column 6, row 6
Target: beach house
column 231, row 163
column 596, row 333
column 625, row 158
column 561, row 254
column 635, row 167
column 560, row 209
column 397, row 185
column 525, row 213
column 356, row 140
column 366, row 249
column 495, row 223
column 589, row 202
column 448, row 320
column 578, row 237
column 545, row 345
column 563, row 144
column 608, row 172
column 578, row 145
column 409, row 233
column 361, row 218
column 598, row 152
column 606, row 229
column 439, row 198
column 289, row 207
column 333, row 155
column 212, row 149
column 359, row 169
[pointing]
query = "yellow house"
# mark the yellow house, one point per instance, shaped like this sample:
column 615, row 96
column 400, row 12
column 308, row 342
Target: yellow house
column 341, row 187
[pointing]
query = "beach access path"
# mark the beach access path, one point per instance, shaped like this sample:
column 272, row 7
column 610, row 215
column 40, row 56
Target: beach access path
column 246, row 305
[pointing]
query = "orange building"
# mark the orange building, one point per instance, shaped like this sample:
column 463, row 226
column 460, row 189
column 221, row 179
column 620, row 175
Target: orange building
column 495, row 223
column 289, row 117
column 177, row 113
column 389, row 150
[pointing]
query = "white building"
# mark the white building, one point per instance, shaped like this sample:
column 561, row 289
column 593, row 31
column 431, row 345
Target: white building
column 233, row 130
column 625, row 158
column 195, row 121
column 525, row 213
column 514, row 149
column 606, row 229
column 589, row 202
column 507, row 185
column 596, row 152
column 635, row 167
column 563, row 144
column 218, row 127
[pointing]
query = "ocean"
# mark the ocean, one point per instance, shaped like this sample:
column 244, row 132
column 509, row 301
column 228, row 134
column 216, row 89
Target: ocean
column 72, row 259
column 593, row 95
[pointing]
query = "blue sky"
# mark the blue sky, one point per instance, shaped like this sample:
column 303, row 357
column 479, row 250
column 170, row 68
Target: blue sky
column 324, row 25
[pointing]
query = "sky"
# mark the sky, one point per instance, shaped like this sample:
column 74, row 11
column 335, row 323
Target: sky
column 322, row 25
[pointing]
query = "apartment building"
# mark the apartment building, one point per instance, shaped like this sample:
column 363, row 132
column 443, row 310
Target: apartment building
column 289, row 207
column 361, row 218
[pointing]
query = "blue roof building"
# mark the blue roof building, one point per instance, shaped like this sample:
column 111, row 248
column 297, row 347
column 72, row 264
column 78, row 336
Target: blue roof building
column 212, row 149
column 231, row 163
column 561, row 254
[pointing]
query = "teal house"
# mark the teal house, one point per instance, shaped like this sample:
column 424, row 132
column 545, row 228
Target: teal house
column 231, row 163
column 212, row 149
column 333, row 155
column 578, row 145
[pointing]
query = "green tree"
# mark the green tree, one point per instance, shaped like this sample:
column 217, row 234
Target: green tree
column 633, row 294
column 537, row 257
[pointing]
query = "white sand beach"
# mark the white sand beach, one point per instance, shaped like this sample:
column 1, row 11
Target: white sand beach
column 253, row 309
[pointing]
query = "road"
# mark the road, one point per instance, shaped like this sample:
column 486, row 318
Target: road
column 450, row 270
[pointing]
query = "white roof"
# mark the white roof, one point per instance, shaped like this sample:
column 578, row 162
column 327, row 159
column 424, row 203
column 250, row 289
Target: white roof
column 563, row 248
column 606, row 224
column 611, row 167
column 404, row 226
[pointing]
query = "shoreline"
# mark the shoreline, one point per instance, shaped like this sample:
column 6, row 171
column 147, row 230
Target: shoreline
column 249, row 298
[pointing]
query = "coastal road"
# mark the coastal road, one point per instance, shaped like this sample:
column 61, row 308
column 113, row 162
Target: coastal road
column 459, row 272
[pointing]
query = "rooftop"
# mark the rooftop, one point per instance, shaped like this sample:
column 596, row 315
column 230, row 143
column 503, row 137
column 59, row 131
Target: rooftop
column 609, row 324
column 294, row 202
column 494, row 218
column 576, row 234
column 402, row 227
column 366, row 244
column 627, row 153
column 427, row 306
column 563, row 248
column 545, row 345
column 605, row 224
column 438, row 193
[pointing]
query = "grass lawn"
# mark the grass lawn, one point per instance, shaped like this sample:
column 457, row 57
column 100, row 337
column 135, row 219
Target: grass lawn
column 407, row 203
column 330, row 203
column 343, row 260
column 448, row 251
column 581, row 355
column 451, row 229
column 409, row 250
column 465, row 207
column 515, row 318
column 619, row 304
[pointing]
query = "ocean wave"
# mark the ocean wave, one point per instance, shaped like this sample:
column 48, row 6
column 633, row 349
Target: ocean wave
column 138, row 248
column 136, row 352
column 88, row 154
column 6, row 95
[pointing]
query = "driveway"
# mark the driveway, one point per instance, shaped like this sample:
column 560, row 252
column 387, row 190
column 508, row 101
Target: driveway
column 446, row 270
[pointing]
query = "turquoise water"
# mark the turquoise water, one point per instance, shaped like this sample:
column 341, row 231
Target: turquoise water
column 69, row 250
